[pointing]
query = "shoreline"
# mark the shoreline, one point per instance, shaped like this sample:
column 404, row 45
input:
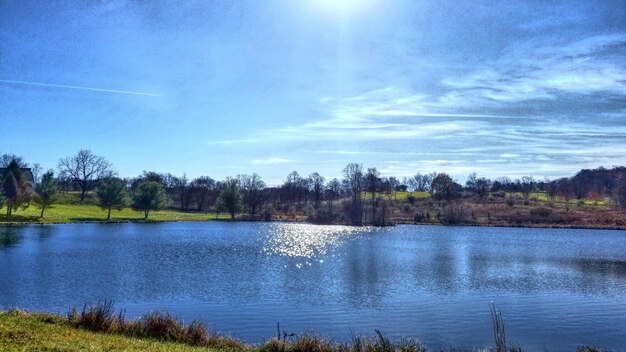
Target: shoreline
column 143, row 221
column 101, row 328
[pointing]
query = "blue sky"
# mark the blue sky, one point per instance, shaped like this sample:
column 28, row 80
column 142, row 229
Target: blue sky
column 222, row 88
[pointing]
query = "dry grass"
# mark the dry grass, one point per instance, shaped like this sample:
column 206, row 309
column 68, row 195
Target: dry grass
column 98, row 328
column 157, row 325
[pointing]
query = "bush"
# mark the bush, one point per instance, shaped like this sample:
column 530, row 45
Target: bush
column 323, row 217
column 454, row 214
column 291, row 212
column 411, row 199
column 158, row 325
column 418, row 217
column 268, row 212
column 99, row 318
column 542, row 212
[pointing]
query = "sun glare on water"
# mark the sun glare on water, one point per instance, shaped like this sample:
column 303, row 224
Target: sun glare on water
column 307, row 241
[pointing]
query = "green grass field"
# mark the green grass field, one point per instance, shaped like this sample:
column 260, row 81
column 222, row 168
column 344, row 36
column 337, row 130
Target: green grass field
column 543, row 197
column 89, row 212
column 44, row 332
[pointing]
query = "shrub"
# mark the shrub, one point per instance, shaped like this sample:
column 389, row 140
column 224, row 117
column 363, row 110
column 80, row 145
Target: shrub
column 542, row 212
column 587, row 349
column 323, row 216
column 99, row 318
column 268, row 212
column 311, row 343
column 411, row 199
column 291, row 212
column 274, row 345
column 161, row 326
column 158, row 325
column 454, row 214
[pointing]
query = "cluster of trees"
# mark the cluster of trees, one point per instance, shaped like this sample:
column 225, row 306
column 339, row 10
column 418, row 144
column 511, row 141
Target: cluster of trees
column 361, row 196
column 85, row 171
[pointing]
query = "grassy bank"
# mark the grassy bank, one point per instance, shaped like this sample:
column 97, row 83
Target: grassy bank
column 46, row 332
column 64, row 213
column 98, row 328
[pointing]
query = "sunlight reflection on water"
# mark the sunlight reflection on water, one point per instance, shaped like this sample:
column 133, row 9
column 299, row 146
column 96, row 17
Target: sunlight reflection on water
column 308, row 241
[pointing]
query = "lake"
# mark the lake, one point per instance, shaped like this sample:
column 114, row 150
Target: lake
column 556, row 288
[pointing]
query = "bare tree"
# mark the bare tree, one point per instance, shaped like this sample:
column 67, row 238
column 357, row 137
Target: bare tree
column 372, row 185
column 422, row 182
column 619, row 193
column 353, row 182
column 564, row 186
column 292, row 185
column 471, row 181
column 552, row 189
column 411, row 184
column 36, row 170
column 202, row 189
column 85, row 169
column 393, row 183
column 252, row 190
column 6, row 159
column 333, row 191
column 317, row 184
column 527, row 185
column 479, row 186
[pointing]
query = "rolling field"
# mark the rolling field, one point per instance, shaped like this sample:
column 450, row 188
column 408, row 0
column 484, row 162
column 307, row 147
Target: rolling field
column 89, row 212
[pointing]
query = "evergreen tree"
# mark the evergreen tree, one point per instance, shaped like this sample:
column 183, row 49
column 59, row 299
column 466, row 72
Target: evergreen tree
column 112, row 194
column 15, row 188
column 46, row 191
column 148, row 196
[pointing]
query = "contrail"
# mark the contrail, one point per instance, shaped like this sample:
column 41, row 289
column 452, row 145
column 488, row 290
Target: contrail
column 76, row 87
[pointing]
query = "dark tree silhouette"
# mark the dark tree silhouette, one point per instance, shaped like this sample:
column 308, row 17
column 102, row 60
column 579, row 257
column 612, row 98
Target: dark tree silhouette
column 85, row 169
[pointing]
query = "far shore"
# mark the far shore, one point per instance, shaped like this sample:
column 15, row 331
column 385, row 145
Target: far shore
column 301, row 221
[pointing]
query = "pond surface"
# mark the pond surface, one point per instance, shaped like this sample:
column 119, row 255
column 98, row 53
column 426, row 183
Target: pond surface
column 556, row 288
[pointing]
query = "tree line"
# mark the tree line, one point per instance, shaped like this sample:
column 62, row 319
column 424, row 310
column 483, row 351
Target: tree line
column 361, row 196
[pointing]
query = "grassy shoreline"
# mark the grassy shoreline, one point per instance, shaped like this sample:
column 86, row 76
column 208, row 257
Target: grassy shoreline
column 89, row 213
column 98, row 328
column 21, row 331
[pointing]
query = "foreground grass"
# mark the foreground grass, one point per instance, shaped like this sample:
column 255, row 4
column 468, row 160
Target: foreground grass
column 45, row 332
column 98, row 328
column 89, row 212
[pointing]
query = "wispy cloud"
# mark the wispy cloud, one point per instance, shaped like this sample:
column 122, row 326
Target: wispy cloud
column 79, row 88
column 272, row 161
column 536, row 72
column 527, row 109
